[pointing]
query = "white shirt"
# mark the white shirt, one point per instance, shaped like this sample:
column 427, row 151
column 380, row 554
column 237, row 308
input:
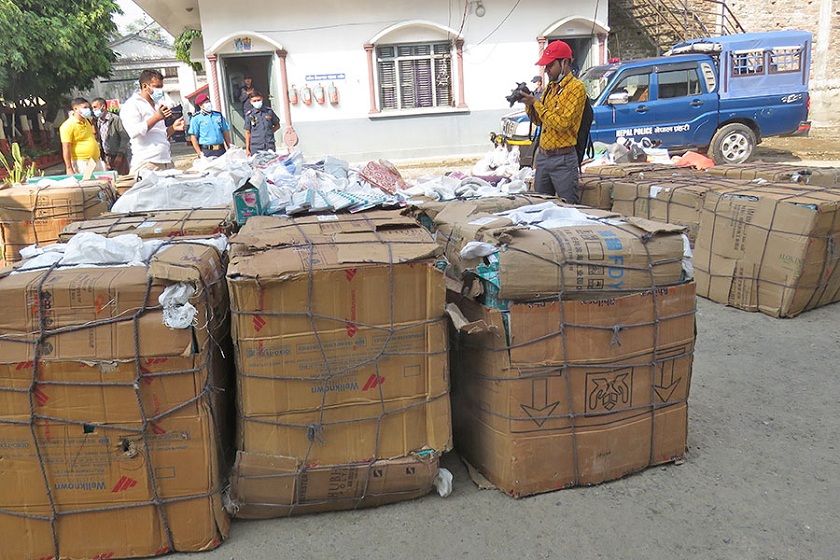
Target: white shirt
column 147, row 144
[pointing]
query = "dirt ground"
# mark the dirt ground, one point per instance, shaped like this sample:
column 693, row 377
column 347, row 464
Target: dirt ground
column 759, row 480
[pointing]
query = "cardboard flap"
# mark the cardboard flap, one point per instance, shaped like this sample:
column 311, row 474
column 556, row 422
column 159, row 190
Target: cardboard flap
column 186, row 262
column 655, row 227
column 462, row 324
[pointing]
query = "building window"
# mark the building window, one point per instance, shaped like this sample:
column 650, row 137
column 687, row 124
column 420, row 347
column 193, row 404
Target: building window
column 785, row 59
column 414, row 76
column 747, row 63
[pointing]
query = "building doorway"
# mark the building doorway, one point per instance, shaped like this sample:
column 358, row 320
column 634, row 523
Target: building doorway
column 235, row 69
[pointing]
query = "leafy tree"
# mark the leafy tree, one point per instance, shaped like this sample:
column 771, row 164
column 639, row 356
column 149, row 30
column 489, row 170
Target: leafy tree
column 48, row 47
column 183, row 43
column 147, row 29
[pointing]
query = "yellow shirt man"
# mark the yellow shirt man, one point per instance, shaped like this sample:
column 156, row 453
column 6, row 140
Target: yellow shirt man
column 78, row 139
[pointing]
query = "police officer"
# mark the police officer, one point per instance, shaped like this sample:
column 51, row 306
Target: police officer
column 209, row 131
column 260, row 125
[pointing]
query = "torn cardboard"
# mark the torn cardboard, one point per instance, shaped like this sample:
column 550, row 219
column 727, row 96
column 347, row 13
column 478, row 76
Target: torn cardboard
column 198, row 222
column 341, row 347
column 559, row 394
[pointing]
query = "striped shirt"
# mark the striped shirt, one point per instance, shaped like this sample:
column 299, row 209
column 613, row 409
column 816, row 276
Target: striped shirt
column 559, row 112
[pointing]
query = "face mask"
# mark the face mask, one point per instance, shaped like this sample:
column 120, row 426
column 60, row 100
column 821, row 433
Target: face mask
column 157, row 93
column 86, row 113
column 207, row 107
column 97, row 113
column 256, row 104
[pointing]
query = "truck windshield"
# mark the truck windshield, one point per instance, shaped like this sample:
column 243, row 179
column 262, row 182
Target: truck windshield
column 595, row 79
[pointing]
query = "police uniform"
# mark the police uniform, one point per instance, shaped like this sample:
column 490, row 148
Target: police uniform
column 208, row 128
column 261, row 122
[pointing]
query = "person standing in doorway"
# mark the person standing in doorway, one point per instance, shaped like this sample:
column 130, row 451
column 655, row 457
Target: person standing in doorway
column 260, row 125
column 559, row 113
column 209, row 131
column 245, row 93
column 538, row 86
column 113, row 139
column 78, row 139
column 143, row 117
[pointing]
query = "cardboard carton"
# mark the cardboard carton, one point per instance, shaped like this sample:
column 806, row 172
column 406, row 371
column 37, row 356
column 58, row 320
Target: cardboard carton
column 770, row 248
column 554, row 394
column 779, row 172
column 425, row 210
column 341, row 351
column 674, row 200
column 251, row 199
column 612, row 253
column 114, row 426
column 198, row 222
column 30, row 214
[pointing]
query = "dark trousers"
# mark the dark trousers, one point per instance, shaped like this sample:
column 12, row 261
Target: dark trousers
column 209, row 153
column 558, row 176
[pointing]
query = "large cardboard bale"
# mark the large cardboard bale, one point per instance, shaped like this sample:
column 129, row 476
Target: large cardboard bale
column 674, row 200
column 553, row 394
column 341, row 362
column 426, row 210
column 32, row 214
column 770, row 248
column 607, row 252
column 114, row 427
column 641, row 170
column 197, row 222
column 779, row 172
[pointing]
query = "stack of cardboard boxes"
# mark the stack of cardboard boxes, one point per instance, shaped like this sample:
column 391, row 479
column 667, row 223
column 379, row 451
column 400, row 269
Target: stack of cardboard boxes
column 112, row 424
column 196, row 222
column 572, row 352
column 341, row 363
column 32, row 214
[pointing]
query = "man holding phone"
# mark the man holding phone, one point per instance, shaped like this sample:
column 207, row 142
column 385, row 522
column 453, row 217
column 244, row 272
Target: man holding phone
column 143, row 116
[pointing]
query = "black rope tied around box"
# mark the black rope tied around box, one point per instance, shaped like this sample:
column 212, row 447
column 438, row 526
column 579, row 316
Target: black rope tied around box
column 334, row 373
column 39, row 341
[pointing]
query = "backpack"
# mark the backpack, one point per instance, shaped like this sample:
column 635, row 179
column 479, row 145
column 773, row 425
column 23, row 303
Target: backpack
column 584, row 146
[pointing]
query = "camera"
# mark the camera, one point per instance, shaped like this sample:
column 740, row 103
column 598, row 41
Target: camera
column 516, row 94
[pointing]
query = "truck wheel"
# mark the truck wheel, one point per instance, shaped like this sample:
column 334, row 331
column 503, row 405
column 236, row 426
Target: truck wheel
column 733, row 143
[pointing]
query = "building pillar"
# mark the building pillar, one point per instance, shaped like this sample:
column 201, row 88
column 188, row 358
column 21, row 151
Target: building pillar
column 290, row 137
column 602, row 48
column 215, row 92
column 459, row 53
column 371, row 84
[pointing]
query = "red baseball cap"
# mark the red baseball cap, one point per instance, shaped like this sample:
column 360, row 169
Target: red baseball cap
column 555, row 50
column 201, row 98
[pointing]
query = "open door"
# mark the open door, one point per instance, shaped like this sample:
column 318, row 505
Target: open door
column 236, row 69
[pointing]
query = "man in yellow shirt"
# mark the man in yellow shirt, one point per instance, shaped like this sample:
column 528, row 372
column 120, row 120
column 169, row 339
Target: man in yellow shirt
column 78, row 139
column 559, row 113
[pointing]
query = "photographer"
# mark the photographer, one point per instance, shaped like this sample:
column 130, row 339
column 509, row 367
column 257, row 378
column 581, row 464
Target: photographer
column 559, row 114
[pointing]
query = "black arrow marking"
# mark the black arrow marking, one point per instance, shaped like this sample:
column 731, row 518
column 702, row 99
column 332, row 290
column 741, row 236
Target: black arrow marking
column 540, row 409
column 664, row 391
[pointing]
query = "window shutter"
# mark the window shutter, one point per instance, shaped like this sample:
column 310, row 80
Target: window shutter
column 387, row 85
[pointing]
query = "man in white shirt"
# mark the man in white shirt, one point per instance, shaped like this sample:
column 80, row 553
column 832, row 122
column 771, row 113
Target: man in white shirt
column 143, row 118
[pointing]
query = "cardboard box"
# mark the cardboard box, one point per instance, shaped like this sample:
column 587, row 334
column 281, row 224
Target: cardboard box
column 770, row 248
column 114, row 427
column 674, row 200
column 273, row 486
column 597, row 182
column 555, row 394
column 425, row 210
column 613, row 253
column 198, row 222
column 30, row 214
column 779, row 172
column 251, row 199
column 341, row 347
column 638, row 170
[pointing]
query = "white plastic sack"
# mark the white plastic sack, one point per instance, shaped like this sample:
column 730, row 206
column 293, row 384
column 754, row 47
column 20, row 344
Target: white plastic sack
column 178, row 312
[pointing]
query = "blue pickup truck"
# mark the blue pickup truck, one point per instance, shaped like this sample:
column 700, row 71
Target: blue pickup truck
column 719, row 95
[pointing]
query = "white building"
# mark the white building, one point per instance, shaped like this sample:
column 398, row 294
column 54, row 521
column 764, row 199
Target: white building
column 411, row 79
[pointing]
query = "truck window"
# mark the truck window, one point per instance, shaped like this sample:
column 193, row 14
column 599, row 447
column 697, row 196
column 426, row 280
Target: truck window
column 785, row 59
column 637, row 87
column 747, row 63
column 678, row 83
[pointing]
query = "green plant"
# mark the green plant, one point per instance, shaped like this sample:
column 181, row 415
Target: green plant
column 17, row 170
column 183, row 43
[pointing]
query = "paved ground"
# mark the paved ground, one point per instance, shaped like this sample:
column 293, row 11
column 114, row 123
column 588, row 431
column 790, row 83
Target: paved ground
column 760, row 480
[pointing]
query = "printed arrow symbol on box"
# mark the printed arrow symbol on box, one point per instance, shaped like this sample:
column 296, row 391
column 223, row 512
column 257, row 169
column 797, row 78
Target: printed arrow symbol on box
column 664, row 391
column 540, row 409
